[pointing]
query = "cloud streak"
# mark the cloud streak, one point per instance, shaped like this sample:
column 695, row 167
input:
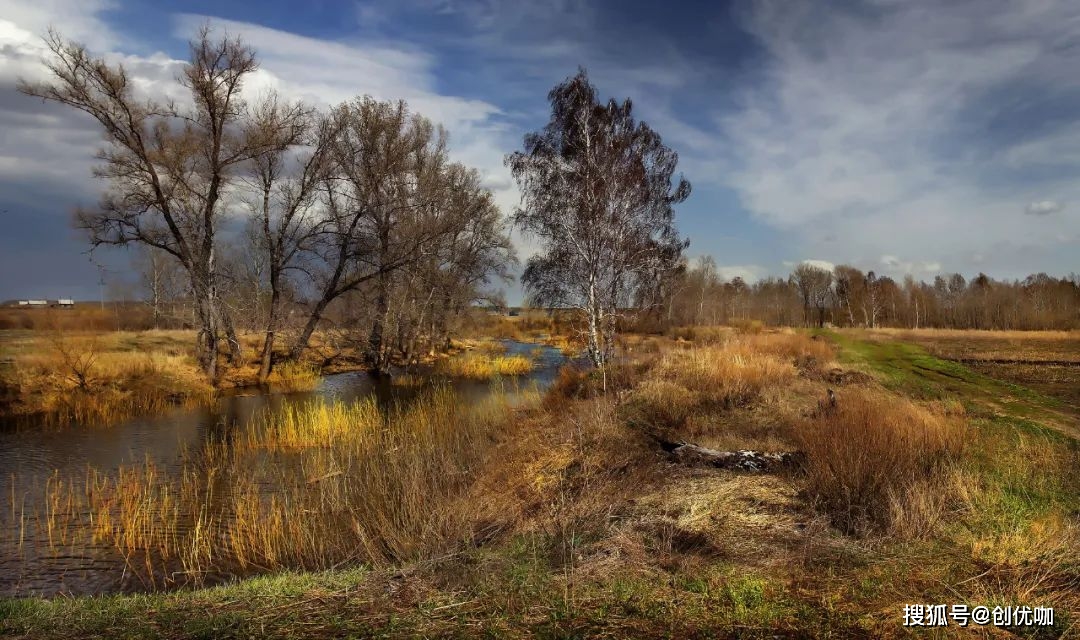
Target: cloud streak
column 857, row 134
column 1043, row 208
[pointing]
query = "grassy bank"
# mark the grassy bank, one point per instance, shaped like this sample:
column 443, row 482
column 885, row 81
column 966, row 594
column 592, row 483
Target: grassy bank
column 101, row 376
column 925, row 482
column 97, row 376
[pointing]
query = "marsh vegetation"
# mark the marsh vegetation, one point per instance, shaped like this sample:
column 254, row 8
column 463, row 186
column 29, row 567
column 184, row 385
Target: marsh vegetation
column 560, row 510
column 328, row 424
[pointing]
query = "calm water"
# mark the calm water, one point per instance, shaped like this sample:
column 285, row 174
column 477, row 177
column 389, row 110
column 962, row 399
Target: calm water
column 30, row 455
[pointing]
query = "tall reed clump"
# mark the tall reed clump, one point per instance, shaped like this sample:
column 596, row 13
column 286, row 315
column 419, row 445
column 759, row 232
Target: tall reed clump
column 373, row 488
column 318, row 423
column 294, row 376
column 881, row 463
column 481, row 366
column 313, row 487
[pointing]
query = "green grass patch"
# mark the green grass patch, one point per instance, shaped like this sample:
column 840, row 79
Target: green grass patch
column 910, row 370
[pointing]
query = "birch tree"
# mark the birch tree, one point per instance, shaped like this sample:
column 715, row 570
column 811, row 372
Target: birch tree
column 598, row 194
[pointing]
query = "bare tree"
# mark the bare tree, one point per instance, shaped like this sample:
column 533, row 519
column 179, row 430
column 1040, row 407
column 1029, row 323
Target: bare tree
column 285, row 179
column 814, row 285
column 850, row 289
column 383, row 196
column 169, row 168
column 597, row 192
column 162, row 281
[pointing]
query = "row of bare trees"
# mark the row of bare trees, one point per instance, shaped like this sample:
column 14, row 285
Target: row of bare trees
column 847, row 296
column 264, row 208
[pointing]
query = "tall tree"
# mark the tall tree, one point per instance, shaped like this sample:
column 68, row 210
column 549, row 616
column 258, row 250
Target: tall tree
column 386, row 164
column 597, row 192
column 814, row 285
column 284, row 179
column 168, row 167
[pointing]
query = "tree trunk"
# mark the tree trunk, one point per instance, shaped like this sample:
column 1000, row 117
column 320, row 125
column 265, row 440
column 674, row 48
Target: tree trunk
column 742, row 460
column 236, row 355
column 267, row 357
column 304, row 338
column 206, row 342
column 375, row 340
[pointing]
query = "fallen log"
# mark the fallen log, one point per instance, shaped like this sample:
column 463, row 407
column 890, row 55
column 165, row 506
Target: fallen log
column 741, row 460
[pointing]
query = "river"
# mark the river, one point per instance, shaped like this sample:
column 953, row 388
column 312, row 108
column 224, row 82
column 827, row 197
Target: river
column 30, row 455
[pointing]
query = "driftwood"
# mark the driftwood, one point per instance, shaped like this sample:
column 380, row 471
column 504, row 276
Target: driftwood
column 742, row 460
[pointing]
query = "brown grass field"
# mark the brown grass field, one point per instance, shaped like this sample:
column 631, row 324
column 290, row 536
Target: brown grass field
column 927, row 482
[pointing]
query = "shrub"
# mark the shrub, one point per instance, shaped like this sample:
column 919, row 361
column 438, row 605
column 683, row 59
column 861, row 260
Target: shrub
column 874, row 461
column 662, row 403
column 746, row 325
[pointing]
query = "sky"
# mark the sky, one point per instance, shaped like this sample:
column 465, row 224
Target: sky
column 900, row 136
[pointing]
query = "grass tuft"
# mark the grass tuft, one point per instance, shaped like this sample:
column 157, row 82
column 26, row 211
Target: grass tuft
column 877, row 462
column 484, row 366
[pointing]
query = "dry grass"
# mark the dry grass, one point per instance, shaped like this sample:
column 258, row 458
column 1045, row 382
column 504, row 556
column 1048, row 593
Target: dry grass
column 875, row 462
column 482, row 366
column 294, row 376
column 316, row 423
column 733, row 373
column 95, row 377
column 701, row 334
column 99, row 377
column 320, row 485
column 976, row 334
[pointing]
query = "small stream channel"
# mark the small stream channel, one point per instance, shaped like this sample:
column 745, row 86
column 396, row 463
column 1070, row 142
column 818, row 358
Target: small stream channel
column 30, row 455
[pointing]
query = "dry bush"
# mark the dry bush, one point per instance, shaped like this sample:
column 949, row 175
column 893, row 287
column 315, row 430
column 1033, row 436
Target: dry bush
column 875, row 462
column 562, row 474
column 700, row 334
column 662, row 403
column 571, row 382
column 747, row 325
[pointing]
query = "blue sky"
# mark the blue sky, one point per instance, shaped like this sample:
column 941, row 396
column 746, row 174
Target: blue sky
column 906, row 137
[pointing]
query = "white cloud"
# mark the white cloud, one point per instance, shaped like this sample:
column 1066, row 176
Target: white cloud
column 46, row 140
column 749, row 272
column 1044, row 207
column 820, row 264
column 896, row 266
column 323, row 72
column 77, row 19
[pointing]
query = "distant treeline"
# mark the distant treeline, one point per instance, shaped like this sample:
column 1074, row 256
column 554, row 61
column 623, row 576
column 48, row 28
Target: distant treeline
column 846, row 296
